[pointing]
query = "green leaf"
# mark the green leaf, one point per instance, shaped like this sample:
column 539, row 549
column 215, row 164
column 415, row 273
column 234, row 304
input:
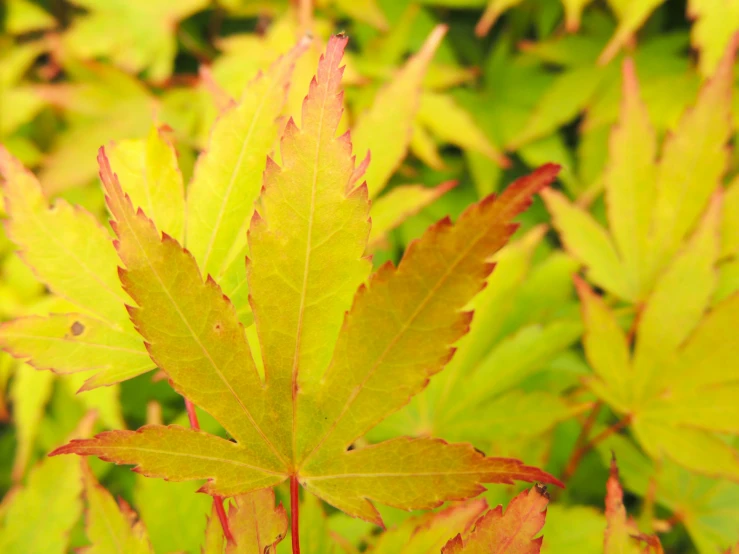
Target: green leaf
column 165, row 507
column 573, row 529
column 587, row 241
column 30, row 392
column 56, row 485
column 101, row 103
column 22, row 16
column 451, row 123
column 391, row 209
column 385, row 129
column 111, row 528
column 629, row 180
column 631, row 17
column 145, row 42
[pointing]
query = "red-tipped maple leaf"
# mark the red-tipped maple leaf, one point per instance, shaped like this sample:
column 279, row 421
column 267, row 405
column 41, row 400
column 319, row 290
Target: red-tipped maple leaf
column 336, row 361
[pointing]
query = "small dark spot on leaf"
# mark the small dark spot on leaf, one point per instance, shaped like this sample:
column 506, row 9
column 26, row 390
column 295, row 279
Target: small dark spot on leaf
column 217, row 327
column 77, row 328
column 351, row 447
column 480, row 451
column 542, row 490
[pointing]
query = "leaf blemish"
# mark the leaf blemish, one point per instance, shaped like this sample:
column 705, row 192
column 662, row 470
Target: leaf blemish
column 77, row 328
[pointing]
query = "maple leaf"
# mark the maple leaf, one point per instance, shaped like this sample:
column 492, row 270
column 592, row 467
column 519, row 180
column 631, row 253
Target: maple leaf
column 675, row 388
column 385, row 129
column 111, row 527
column 429, row 533
column 329, row 377
column 478, row 397
column 256, row 524
column 100, row 103
column 646, row 203
column 706, row 507
column 622, row 534
column 54, row 242
column 145, row 42
column 510, row 532
column 716, row 22
column 55, row 484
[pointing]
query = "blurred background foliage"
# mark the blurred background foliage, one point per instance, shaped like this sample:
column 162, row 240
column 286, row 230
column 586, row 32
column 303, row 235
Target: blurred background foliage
column 514, row 84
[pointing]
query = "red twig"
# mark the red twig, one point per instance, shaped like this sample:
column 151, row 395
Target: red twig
column 218, row 505
column 191, row 414
column 294, row 515
column 217, row 500
column 581, row 440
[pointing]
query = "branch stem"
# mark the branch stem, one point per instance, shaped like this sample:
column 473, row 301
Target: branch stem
column 294, row 515
column 586, row 446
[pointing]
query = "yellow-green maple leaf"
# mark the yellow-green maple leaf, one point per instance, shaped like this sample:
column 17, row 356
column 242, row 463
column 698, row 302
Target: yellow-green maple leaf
column 677, row 387
column 136, row 34
column 307, row 242
column 651, row 206
column 74, row 255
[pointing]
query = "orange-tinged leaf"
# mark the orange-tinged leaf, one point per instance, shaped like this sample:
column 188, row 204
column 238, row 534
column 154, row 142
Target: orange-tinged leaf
column 111, row 527
column 385, row 130
column 307, row 242
column 622, row 535
column 690, row 171
column 257, row 526
column 409, row 473
column 511, row 532
column 228, row 178
column 629, row 181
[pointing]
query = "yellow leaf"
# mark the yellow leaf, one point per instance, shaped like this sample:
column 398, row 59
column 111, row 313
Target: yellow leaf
column 228, row 178
column 385, row 130
column 629, row 180
column 153, row 179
